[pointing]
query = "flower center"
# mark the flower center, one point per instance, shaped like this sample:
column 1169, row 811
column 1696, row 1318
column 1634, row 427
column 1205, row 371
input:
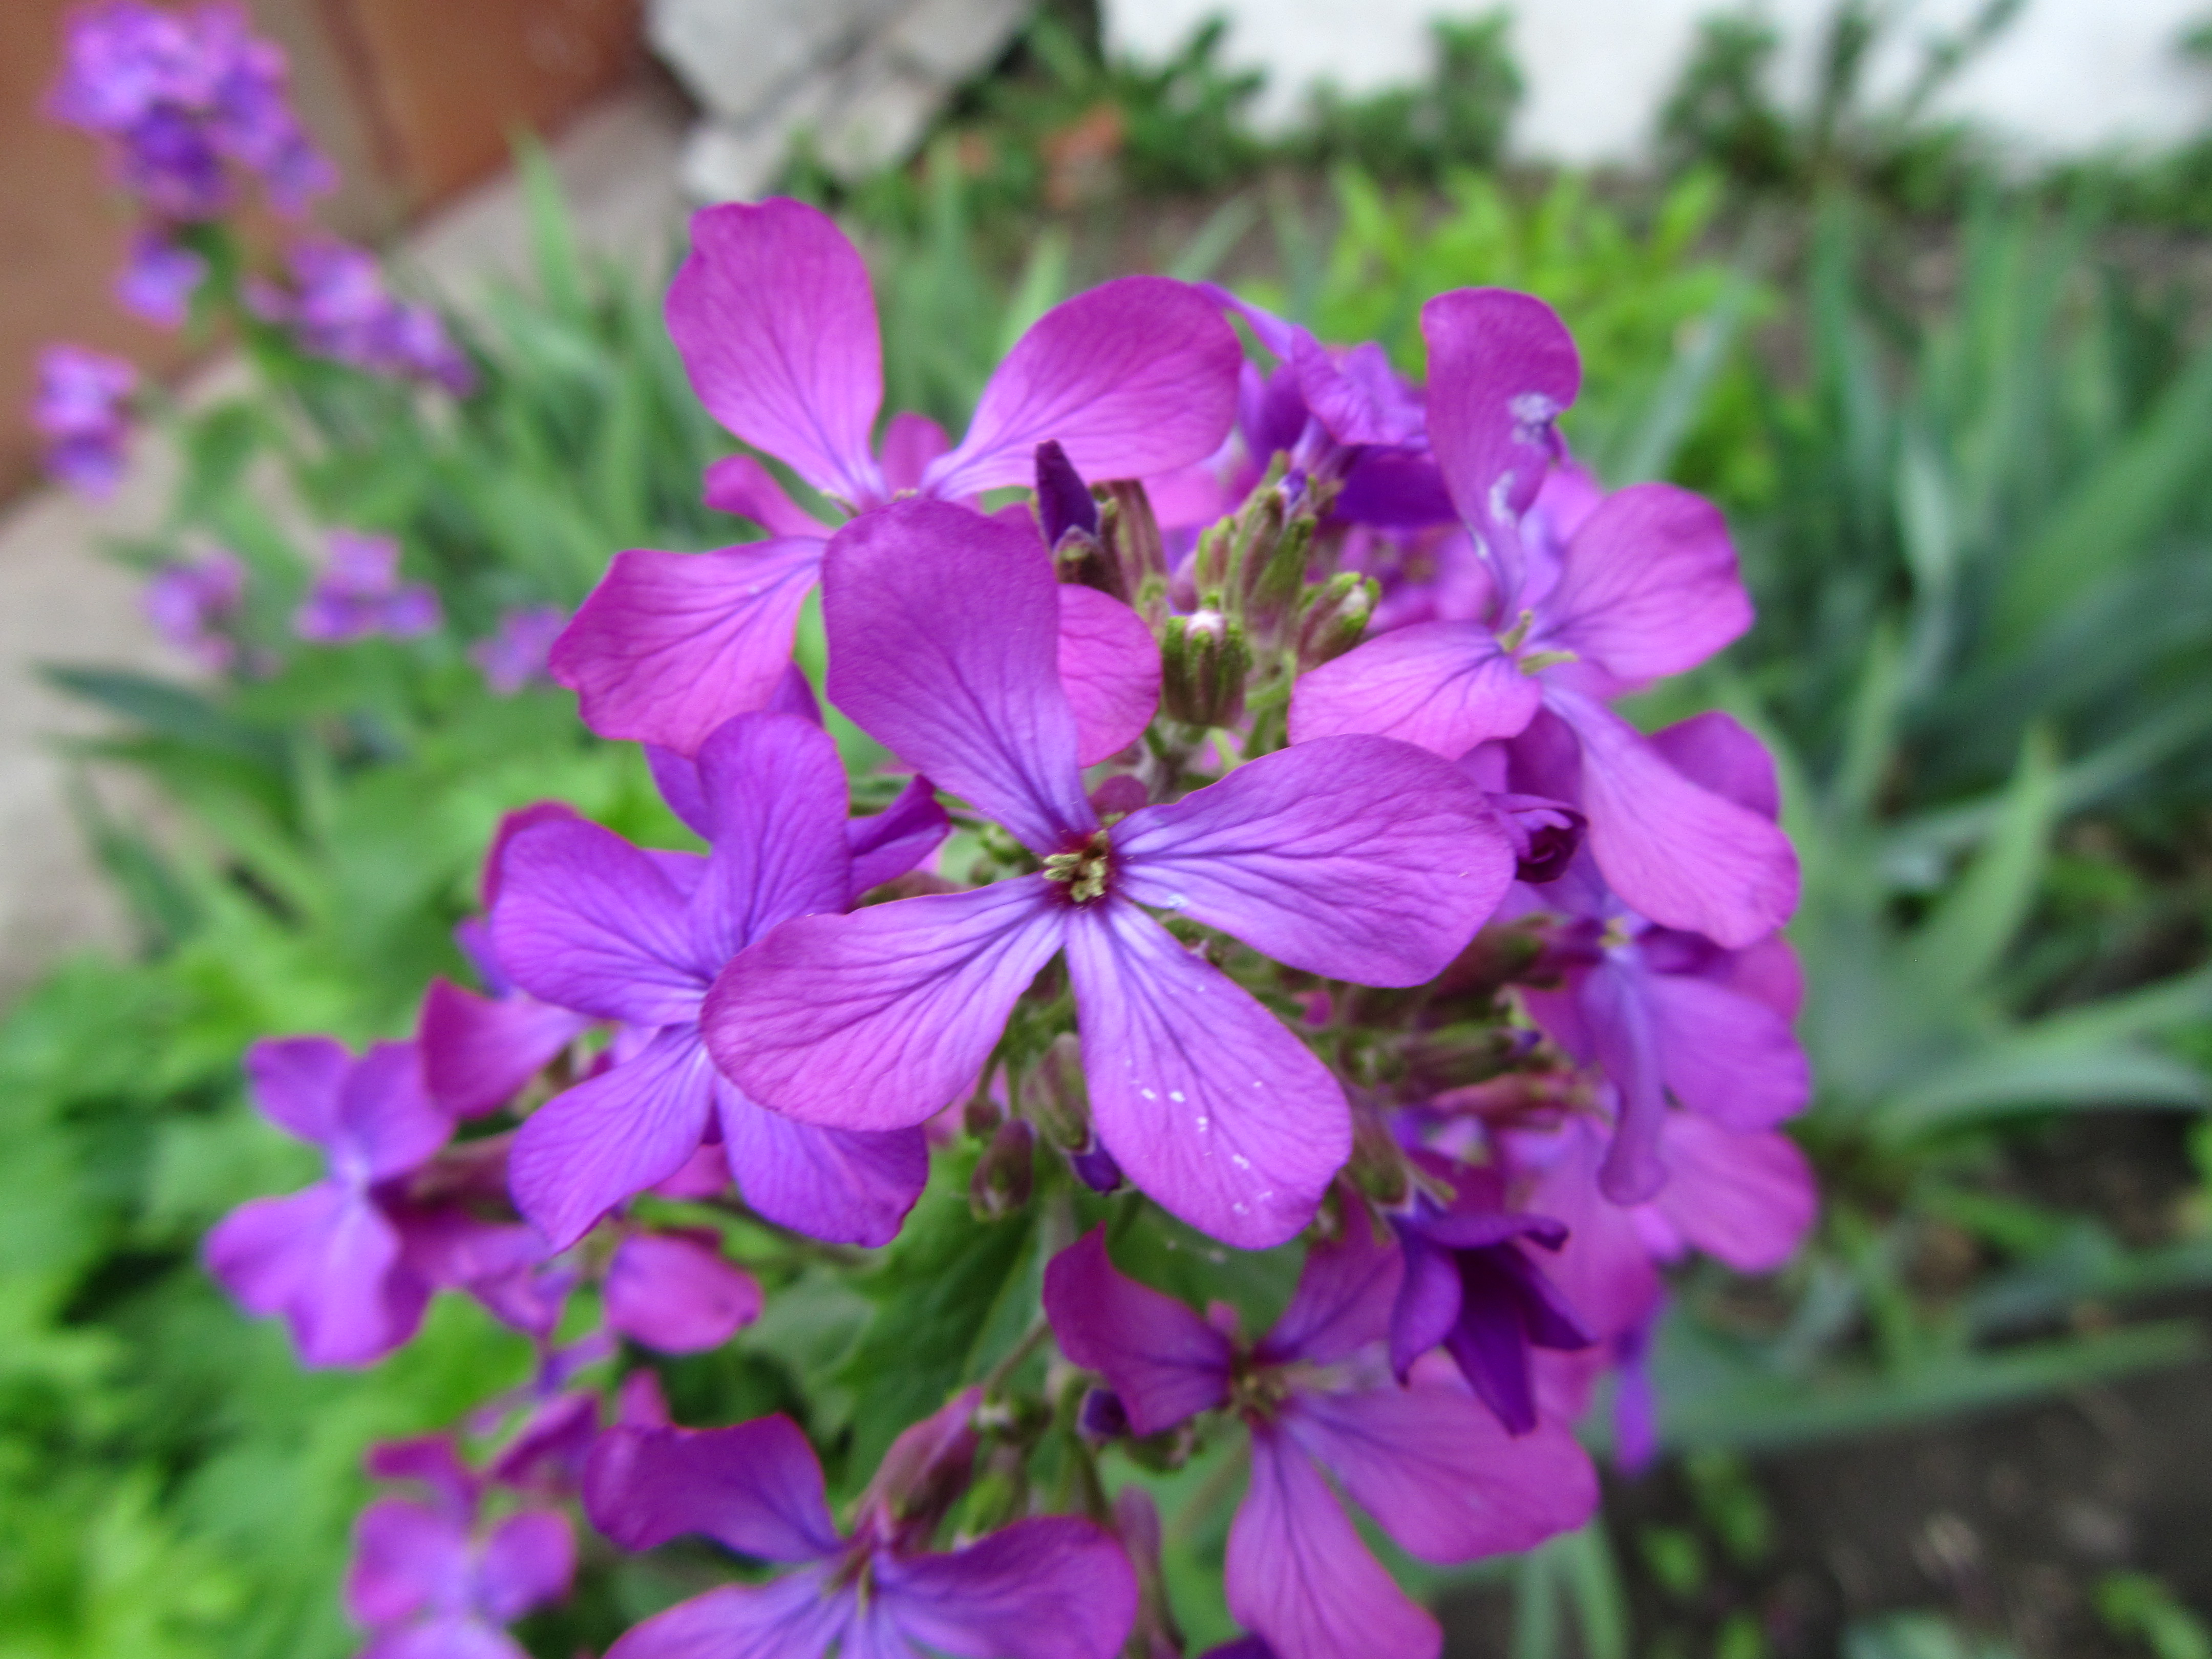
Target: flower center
column 1084, row 869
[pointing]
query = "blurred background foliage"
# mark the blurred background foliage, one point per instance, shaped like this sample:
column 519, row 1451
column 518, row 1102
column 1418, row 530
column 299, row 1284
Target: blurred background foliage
column 1962, row 424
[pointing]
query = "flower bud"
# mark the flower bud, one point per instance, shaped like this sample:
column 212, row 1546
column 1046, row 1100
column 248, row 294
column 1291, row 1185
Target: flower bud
column 1129, row 536
column 1068, row 516
column 1203, row 663
column 1056, row 1096
column 1101, row 1416
column 1095, row 1168
column 1334, row 618
column 1005, row 1173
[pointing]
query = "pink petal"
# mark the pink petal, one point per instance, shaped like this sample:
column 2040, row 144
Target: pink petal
column 674, row 1292
column 911, row 443
column 792, row 1617
column 1137, row 376
column 296, row 1082
column 1353, row 858
column 1618, row 1016
column 848, row 1186
column 1681, row 856
column 879, row 1019
column 1648, row 586
column 1733, row 1059
column 755, row 1487
column 478, row 1052
column 406, row 1557
column 740, row 485
column 1748, row 1200
column 1766, row 971
column 1110, row 666
column 774, row 788
column 1715, row 752
column 1298, row 1574
column 971, row 699
column 1208, row 1103
column 774, row 319
column 1343, row 1300
column 1164, row 1362
column 528, row 1561
column 1444, row 685
column 587, row 922
column 1603, row 1269
column 1501, row 367
column 887, row 844
column 1438, row 1473
column 670, row 645
column 607, row 1139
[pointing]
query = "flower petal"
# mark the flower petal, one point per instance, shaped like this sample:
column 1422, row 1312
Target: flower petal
column 296, row 1082
column 1748, row 1200
column 1343, row 1300
column 887, row 844
column 755, row 1487
column 1396, row 489
column 774, row 319
column 406, row 1557
column 1354, row 858
column 1428, row 1303
column 1444, row 685
column 1204, row 1099
column 1053, row 1586
column 588, row 921
column 607, row 1139
column 794, row 1618
column 387, row 1122
column 670, row 645
column 1298, row 1574
column 943, row 646
column 1616, row 1008
column 1680, row 855
column 1725, row 1056
column 1439, row 1475
column 848, row 1186
column 1136, row 376
column 1714, row 751
column 740, row 485
column 674, row 1292
column 1164, row 1362
column 328, row 1261
column 911, row 443
column 881, row 1018
column 1648, row 586
column 774, row 788
column 528, row 1561
column 477, row 1051
column 1501, row 369
column 1110, row 665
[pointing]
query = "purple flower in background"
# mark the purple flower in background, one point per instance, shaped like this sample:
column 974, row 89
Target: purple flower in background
column 1470, row 1286
column 360, row 595
column 159, row 283
column 334, row 1260
column 1431, row 1467
column 437, row 1580
column 195, row 606
column 1359, row 859
column 515, row 654
column 79, row 411
column 586, row 921
column 672, row 1292
column 341, row 309
column 176, row 96
column 773, row 316
column 1645, row 586
column 1664, row 1011
column 1051, row 1586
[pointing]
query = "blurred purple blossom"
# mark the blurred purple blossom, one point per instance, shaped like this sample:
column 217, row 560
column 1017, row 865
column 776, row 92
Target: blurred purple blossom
column 79, row 410
column 360, row 595
column 195, row 607
column 339, row 307
column 515, row 652
column 159, row 283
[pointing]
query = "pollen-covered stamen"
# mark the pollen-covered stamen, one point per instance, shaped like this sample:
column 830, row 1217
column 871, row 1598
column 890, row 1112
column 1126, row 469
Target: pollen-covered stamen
column 1084, row 869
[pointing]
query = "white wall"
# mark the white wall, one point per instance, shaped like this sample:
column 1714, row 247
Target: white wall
column 2069, row 76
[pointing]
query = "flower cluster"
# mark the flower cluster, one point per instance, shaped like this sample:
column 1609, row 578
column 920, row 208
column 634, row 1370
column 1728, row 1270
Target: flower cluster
column 359, row 594
column 80, row 412
column 338, row 307
column 1255, row 851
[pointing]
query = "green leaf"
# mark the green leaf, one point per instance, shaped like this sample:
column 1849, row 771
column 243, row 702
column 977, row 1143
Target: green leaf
column 1957, row 948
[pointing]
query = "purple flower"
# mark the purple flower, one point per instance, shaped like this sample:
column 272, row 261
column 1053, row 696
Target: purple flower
column 341, row 309
column 360, row 595
column 195, row 607
column 1645, row 585
column 159, row 283
column 773, row 318
column 585, row 921
column 176, row 96
column 515, row 654
column 334, row 1260
column 1470, row 1286
column 1047, row 1587
column 1359, row 859
column 79, row 411
column 1425, row 1460
column 672, row 1292
column 435, row 1581
column 1664, row 1011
